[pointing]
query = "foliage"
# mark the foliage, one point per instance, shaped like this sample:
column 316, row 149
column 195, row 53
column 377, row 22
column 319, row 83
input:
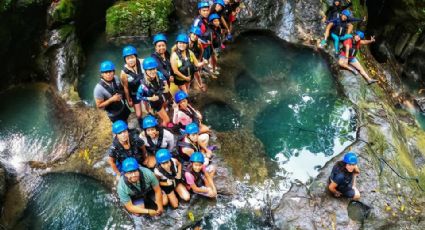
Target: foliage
column 63, row 12
column 138, row 17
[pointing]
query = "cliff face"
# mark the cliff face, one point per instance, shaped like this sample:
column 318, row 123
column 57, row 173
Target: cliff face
column 399, row 26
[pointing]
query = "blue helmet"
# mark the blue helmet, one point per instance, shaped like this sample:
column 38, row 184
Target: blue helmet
column 129, row 164
column 149, row 121
column 180, row 96
column 182, row 38
column 220, row 2
column 159, row 38
column 350, row 158
column 107, row 66
column 162, row 156
column 129, row 50
column 360, row 34
column 212, row 17
column 197, row 157
column 149, row 63
column 203, row 5
column 119, row 126
column 196, row 30
column 192, row 128
column 346, row 13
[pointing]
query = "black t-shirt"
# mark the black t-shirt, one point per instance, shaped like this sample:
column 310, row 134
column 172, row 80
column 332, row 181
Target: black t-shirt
column 341, row 177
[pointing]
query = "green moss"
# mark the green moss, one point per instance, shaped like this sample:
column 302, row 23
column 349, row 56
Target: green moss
column 138, row 17
column 65, row 31
column 5, row 5
column 63, row 12
column 378, row 139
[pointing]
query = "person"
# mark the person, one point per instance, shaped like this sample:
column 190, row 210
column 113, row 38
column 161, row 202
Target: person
column 214, row 20
column 198, row 179
column 334, row 11
column 196, row 47
column 340, row 29
column 155, row 138
column 347, row 57
column 342, row 181
column 231, row 11
column 192, row 141
column 109, row 94
column 185, row 114
column 153, row 88
column 169, row 173
column 162, row 57
column 184, row 63
column 125, row 144
column 139, row 190
column 131, row 78
column 218, row 7
column 201, row 21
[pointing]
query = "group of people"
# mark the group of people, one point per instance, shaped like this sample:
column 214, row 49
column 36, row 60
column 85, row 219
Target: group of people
column 339, row 20
column 170, row 158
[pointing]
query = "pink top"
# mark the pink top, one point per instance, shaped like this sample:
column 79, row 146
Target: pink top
column 190, row 179
column 180, row 117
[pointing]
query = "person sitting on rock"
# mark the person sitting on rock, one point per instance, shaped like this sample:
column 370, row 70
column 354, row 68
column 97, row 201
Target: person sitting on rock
column 153, row 89
column 184, row 63
column 347, row 57
column 139, row 191
column 185, row 114
column 109, row 94
column 169, row 173
column 196, row 47
column 342, row 181
column 218, row 7
column 131, row 78
column 198, row 180
column 335, row 10
column 155, row 138
column 340, row 29
column 125, row 144
column 193, row 141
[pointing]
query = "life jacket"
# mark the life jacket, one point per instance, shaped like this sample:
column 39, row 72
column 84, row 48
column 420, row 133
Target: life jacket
column 355, row 47
column 190, row 112
column 216, row 37
column 186, row 65
column 340, row 27
column 169, row 176
column 199, row 177
column 164, row 63
column 348, row 177
column 202, row 23
column 134, row 79
column 152, row 148
column 181, row 143
column 137, row 194
column 195, row 48
column 154, row 88
column 113, row 89
column 121, row 154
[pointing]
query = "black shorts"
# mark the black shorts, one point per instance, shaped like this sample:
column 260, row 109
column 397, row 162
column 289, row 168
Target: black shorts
column 168, row 189
column 156, row 106
column 179, row 82
column 123, row 115
column 349, row 193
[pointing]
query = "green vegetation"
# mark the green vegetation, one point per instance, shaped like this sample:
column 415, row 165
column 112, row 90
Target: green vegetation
column 138, row 17
column 63, row 12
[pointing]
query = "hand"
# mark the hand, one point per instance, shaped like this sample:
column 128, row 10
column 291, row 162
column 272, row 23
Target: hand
column 154, row 98
column 152, row 212
column 171, row 79
column 337, row 194
column 348, row 1
column 372, row 38
column 159, row 211
column 175, row 106
column 188, row 78
column 208, row 153
column 116, row 97
column 211, row 193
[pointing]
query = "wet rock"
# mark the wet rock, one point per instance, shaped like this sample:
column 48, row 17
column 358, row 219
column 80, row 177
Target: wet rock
column 61, row 12
column 2, row 184
column 421, row 103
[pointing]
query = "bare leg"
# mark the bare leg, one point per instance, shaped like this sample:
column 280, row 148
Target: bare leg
column 164, row 117
column 341, row 62
column 361, row 70
column 138, row 109
column 182, row 191
column 174, row 202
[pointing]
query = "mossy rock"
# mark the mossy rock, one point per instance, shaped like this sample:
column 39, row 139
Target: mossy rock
column 63, row 12
column 138, row 18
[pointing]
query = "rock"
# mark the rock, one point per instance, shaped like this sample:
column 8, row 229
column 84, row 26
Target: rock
column 61, row 12
column 421, row 103
column 138, row 18
column 2, row 184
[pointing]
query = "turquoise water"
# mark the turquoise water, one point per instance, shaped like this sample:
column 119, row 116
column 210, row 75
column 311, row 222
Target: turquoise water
column 289, row 100
column 221, row 116
column 26, row 132
column 72, row 201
